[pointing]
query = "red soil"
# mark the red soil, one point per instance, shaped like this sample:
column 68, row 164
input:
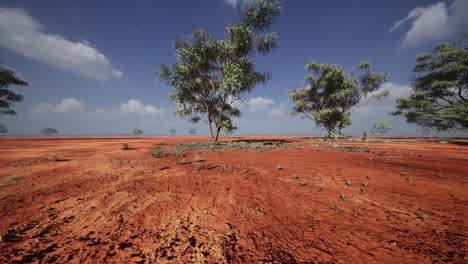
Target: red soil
column 100, row 204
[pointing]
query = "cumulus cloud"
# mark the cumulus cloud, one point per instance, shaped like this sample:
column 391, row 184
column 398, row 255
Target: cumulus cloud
column 386, row 105
column 433, row 22
column 138, row 108
column 23, row 34
column 259, row 103
column 278, row 111
column 65, row 106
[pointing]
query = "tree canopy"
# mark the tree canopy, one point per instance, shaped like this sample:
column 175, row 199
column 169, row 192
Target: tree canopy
column 209, row 75
column 137, row 131
column 333, row 94
column 8, row 77
column 382, row 127
column 49, row 131
column 439, row 96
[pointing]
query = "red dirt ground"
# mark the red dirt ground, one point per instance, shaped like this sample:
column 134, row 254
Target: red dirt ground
column 100, row 204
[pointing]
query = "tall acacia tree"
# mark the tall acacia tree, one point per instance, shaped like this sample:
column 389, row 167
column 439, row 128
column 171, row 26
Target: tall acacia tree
column 439, row 96
column 333, row 94
column 209, row 76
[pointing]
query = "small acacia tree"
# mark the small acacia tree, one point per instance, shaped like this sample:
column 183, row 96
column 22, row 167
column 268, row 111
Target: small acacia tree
column 210, row 75
column 3, row 128
column 137, row 131
column 192, row 131
column 8, row 98
column 333, row 94
column 173, row 131
column 382, row 127
column 49, row 131
column 439, row 96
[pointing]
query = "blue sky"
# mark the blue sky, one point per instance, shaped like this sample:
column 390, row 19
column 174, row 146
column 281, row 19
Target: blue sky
column 91, row 64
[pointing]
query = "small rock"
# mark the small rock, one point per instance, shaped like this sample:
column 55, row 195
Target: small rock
column 302, row 184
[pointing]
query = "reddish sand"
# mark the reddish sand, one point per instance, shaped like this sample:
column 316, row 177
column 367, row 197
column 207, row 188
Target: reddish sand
column 100, row 204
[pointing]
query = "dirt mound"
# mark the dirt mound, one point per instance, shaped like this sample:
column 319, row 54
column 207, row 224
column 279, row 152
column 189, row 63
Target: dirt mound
column 247, row 200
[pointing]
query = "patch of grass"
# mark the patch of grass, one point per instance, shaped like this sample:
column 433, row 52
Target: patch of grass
column 295, row 177
column 160, row 143
column 302, row 183
column 349, row 183
column 126, row 146
column 52, row 158
column 278, row 167
column 158, row 153
column 403, row 173
column 333, row 207
column 177, row 154
column 320, row 189
column 343, row 196
column 364, row 185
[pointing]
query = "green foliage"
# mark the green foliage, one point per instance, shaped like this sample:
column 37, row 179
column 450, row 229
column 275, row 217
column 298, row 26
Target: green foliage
column 173, row 131
column 3, row 128
column 439, row 96
column 210, row 75
column 8, row 98
column 137, row 131
column 364, row 136
column 192, row 131
column 125, row 146
column 49, row 131
column 382, row 127
column 333, row 94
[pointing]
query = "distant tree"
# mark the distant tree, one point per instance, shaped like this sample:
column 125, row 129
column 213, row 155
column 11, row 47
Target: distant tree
column 333, row 94
column 8, row 98
column 248, row 133
column 192, row 131
column 296, row 132
column 210, row 75
column 49, row 131
column 382, row 127
column 173, row 131
column 3, row 128
column 439, row 96
column 407, row 132
column 137, row 131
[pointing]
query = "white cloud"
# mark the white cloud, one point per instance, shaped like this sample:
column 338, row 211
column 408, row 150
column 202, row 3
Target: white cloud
column 386, row 105
column 434, row 22
column 137, row 107
column 278, row 111
column 259, row 103
column 66, row 105
column 233, row 3
column 22, row 33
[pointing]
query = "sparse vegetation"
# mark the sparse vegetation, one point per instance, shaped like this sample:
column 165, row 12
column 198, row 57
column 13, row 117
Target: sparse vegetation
column 49, row 131
column 158, row 153
column 198, row 159
column 125, row 146
column 183, row 161
column 302, row 183
column 278, row 167
column 177, row 154
column 210, row 75
column 332, row 94
column 343, row 196
column 173, row 131
column 192, row 131
column 349, row 183
column 364, row 136
column 382, row 127
column 3, row 128
column 52, row 158
column 137, row 131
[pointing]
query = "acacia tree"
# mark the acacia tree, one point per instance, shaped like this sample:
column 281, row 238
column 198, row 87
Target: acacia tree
column 210, row 75
column 8, row 98
column 382, row 127
column 333, row 94
column 49, row 131
column 3, row 128
column 192, row 131
column 439, row 96
column 137, row 131
column 173, row 131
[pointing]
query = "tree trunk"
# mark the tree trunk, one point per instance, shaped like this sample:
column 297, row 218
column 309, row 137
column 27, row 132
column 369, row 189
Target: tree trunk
column 211, row 131
column 218, row 129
